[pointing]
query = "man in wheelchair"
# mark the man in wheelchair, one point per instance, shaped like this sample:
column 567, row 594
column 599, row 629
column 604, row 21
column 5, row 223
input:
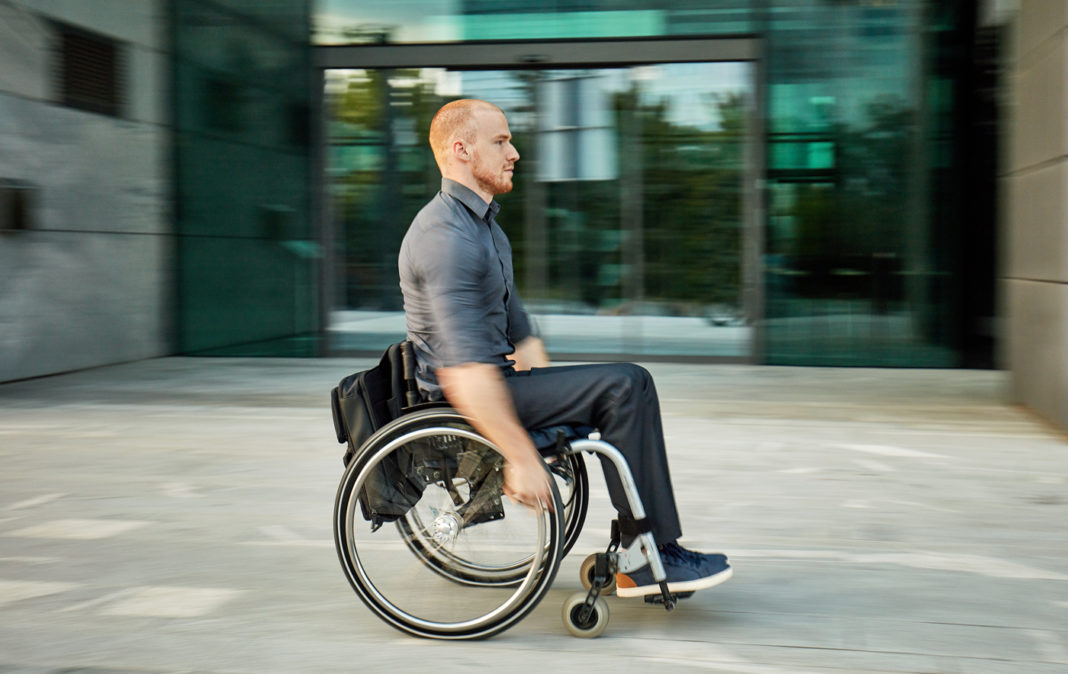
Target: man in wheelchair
column 475, row 347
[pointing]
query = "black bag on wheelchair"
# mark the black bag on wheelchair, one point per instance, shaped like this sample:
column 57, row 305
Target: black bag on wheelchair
column 391, row 490
column 364, row 402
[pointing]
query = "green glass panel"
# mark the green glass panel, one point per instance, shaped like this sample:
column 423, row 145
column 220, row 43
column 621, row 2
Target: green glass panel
column 247, row 255
column 414, row 21
column 853, row 275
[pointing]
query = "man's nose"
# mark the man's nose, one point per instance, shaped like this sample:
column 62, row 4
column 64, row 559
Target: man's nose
column 514, row 156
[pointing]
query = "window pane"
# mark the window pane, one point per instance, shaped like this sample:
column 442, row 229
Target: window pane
column 626, row 216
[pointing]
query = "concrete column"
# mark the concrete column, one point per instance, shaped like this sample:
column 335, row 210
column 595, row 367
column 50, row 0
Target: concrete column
column 1034, row 238
column 85, row 276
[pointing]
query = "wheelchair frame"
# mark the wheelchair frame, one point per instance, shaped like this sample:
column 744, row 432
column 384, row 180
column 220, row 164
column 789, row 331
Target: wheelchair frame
column 585, row 614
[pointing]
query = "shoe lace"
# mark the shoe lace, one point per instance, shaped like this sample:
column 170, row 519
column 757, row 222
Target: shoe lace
column 678, row 555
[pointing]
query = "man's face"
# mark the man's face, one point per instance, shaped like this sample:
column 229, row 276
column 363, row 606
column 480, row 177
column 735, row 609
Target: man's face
column 494, row 156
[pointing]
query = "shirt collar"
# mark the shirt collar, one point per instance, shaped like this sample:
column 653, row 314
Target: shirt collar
column 467, row 196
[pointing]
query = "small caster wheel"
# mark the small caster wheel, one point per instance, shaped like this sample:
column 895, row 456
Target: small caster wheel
column 586, row 572
column 594, row 626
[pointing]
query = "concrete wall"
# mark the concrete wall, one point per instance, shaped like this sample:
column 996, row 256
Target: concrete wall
column 90, row 283
column 1034, row 237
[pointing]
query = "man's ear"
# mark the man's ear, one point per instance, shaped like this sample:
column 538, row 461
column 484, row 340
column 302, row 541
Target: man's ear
column 459, row 150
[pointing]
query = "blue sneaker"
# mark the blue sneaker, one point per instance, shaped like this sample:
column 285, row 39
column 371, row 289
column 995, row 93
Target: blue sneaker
column 686, row 571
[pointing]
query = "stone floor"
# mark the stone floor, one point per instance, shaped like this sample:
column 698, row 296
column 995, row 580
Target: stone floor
column 174, row 515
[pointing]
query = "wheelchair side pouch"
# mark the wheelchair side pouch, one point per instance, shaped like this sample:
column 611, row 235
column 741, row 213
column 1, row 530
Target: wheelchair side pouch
column 391, row 490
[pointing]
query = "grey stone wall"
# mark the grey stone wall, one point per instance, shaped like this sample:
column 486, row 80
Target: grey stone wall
column 89, row 284
column 1034, row 237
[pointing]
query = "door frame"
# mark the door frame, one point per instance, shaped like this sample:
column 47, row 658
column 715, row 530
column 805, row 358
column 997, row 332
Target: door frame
column 566, row 54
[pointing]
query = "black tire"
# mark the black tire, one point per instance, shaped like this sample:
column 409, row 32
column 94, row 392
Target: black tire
column 578, row 502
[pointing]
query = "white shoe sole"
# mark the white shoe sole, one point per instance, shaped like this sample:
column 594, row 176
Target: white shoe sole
column 684, row 586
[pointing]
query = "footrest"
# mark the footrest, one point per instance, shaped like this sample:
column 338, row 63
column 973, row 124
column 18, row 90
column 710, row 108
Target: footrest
column 659, row 598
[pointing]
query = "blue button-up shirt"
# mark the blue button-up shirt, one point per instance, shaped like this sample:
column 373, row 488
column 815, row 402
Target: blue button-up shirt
column 460, row 301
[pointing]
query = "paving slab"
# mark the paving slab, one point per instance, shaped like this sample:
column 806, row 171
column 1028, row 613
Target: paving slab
column 174, row 515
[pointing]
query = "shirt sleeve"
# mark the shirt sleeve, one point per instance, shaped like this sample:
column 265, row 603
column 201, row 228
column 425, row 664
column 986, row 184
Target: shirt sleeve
column 453, row 269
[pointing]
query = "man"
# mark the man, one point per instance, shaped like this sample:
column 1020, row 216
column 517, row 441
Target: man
column 475, row 347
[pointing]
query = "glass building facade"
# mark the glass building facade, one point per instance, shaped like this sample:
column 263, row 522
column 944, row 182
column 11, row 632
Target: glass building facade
column 775, row 182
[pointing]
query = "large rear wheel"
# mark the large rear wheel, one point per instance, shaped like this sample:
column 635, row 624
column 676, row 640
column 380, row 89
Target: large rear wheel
column 441, row 483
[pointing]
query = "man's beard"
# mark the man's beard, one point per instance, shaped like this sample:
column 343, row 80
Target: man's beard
column 494, row 183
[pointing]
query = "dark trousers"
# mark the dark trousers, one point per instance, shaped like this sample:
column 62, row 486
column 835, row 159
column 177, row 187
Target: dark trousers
column 619, row 399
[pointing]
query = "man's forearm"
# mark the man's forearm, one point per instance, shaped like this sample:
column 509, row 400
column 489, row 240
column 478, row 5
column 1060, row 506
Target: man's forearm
column 478, row 391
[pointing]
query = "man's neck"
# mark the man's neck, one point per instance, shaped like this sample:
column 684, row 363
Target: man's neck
column 470, row 183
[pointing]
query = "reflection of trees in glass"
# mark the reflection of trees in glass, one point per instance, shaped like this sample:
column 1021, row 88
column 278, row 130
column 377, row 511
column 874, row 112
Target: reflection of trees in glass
column 692, row 206
column 689, row 180
column 690, row 185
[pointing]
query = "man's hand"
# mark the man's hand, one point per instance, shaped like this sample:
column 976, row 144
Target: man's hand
column 527, row 483
column 530, row 353
column 478, row 391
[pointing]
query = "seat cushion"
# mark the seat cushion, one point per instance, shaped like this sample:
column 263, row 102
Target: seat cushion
column 544, row 439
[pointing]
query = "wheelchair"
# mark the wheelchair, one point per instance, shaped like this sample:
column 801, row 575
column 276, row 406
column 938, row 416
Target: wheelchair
column 427, row 539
